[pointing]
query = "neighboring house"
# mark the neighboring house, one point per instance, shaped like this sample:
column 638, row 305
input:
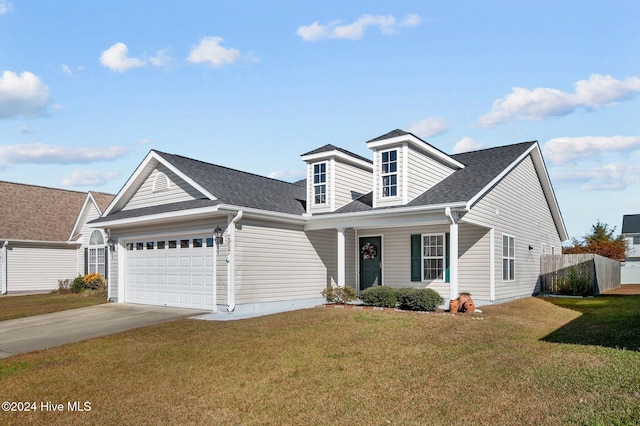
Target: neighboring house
column 411, row 217
column 630, row 271
column 44, row 236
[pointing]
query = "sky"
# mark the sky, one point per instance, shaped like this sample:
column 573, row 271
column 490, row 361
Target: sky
column 87, row 89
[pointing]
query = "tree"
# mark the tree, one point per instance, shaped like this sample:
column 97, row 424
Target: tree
column 600, row 240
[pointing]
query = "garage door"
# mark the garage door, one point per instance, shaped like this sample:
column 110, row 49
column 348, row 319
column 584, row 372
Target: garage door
column 170, row 272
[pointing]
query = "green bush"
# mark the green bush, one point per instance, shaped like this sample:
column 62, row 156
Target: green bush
column 381, row 296
column 78, row 285
column 419, row 299
column 340, row 295
column 64, row 286
column 574, row 284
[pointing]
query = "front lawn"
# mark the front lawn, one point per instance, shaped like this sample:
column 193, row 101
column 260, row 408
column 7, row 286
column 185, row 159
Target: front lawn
column 36, row 304
column 335, row 366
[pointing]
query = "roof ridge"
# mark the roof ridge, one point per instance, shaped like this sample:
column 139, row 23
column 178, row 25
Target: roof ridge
column 47, row 187
column 495, row 147
column 225, row 167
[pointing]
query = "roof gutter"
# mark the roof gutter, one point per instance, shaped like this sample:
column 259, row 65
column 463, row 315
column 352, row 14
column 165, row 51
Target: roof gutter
column 3, row 259
column 231, row 262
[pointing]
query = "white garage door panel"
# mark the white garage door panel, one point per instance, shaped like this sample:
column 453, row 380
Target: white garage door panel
column 180, row 276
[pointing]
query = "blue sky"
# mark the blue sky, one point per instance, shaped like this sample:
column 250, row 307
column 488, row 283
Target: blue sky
column 88, row 88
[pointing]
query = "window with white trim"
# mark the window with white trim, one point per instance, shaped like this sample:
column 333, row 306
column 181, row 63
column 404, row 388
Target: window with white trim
column 508, row 257
column 389, row 173
column 636, row 240
column 320, row 183
column 433, row 257
column 96, row 254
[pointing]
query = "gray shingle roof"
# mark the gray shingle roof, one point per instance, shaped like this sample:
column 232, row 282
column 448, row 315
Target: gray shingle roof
column 329, row 148
column 391, row 134
column 481, row 167
column 631, row 224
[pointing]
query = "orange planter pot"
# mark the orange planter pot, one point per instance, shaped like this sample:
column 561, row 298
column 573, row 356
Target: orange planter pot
column 469, row 306
column 453, row 305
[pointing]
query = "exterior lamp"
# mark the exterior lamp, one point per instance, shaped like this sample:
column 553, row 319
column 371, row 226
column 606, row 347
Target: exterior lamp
column 218, row 234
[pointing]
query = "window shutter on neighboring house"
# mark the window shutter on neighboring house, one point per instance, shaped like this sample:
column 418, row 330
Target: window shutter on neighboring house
column 106, row 262
column 416, row 257
column 86, row 260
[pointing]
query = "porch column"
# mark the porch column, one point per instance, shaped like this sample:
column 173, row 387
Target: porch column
column 341, row 258
column 453, row 261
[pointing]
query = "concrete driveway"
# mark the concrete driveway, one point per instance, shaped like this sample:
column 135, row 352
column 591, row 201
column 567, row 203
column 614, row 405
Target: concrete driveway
column 59, row 328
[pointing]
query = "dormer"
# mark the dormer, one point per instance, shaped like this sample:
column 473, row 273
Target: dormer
column 405, row 166
column 335, row 177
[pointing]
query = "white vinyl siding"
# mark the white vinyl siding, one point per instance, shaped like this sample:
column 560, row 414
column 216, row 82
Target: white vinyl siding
column 518, row 207
column 90, row 213
column 351, row 182
column 277, row 262
column 38, row 268
column 424, row 172
column 474, row 273
column 178, row 190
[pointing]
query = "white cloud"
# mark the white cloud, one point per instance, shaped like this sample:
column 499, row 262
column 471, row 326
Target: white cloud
column 387, row 24
column 39, row 153
column 116, row 58
column 288, row 175
column 537, row 104
column 610, row 177
column 566, row 149
column 144, row 141
column 429, row 127
column 92, row 178
column 161, row 58
column 465, row 145
column 210, row 51
column 26, row 131
column 5, row 7
column 22, row 95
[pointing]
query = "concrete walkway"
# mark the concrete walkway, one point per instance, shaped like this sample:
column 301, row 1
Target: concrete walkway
column 38, row 332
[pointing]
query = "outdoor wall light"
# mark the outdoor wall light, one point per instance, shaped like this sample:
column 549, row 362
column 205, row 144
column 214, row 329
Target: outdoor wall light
column 530, row 248
column 218, row 233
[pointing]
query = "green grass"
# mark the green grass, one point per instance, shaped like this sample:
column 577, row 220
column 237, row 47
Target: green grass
column 36, row 304
column 329, row 366
column 608, row 320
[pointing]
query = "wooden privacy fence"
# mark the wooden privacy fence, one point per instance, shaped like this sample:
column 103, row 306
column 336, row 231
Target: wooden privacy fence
column 578, row 274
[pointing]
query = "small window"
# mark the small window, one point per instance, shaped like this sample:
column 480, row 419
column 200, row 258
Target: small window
column 636, row 240
column 150, row 245
column 160, row 245
column 129, row 246
column 173, row 244
column 139, row 246
column 320, row 183
column 184, row 243
column 388, row 171
column 508, row 258
column 197, row 242
column 209, row 242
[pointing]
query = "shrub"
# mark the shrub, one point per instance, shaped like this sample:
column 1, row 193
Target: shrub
column 340, row 295
column 574, row 284
column 381, row 296
column 419, row 299
column 94, row 282
column 64, row 286
column 78, row 285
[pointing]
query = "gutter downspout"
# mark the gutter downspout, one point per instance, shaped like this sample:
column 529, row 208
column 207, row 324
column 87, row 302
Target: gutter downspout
column 453, row 254
column 231, row 262
column 4, row 268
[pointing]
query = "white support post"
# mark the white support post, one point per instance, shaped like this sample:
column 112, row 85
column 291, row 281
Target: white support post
column 492, row 264
column 453, row 253
column 341, row 258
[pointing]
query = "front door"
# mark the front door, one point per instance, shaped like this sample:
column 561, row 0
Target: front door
column 370, row 262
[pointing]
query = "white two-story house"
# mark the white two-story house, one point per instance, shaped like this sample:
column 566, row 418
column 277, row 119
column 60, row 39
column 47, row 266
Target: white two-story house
column 630, row 271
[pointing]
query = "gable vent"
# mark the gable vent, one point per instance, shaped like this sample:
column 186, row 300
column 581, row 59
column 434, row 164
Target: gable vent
column 161, row 182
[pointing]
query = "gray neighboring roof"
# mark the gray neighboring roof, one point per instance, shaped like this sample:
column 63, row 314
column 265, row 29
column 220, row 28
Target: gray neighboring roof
column 329, row 148
column 631, row 224
column 481, row 167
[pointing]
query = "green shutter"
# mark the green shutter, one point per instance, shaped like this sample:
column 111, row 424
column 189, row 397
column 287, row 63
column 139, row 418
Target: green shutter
column 416, row 257
column 447, row 250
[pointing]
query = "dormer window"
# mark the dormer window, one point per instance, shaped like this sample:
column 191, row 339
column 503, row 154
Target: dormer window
column 389, row 173
column 320, row 183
